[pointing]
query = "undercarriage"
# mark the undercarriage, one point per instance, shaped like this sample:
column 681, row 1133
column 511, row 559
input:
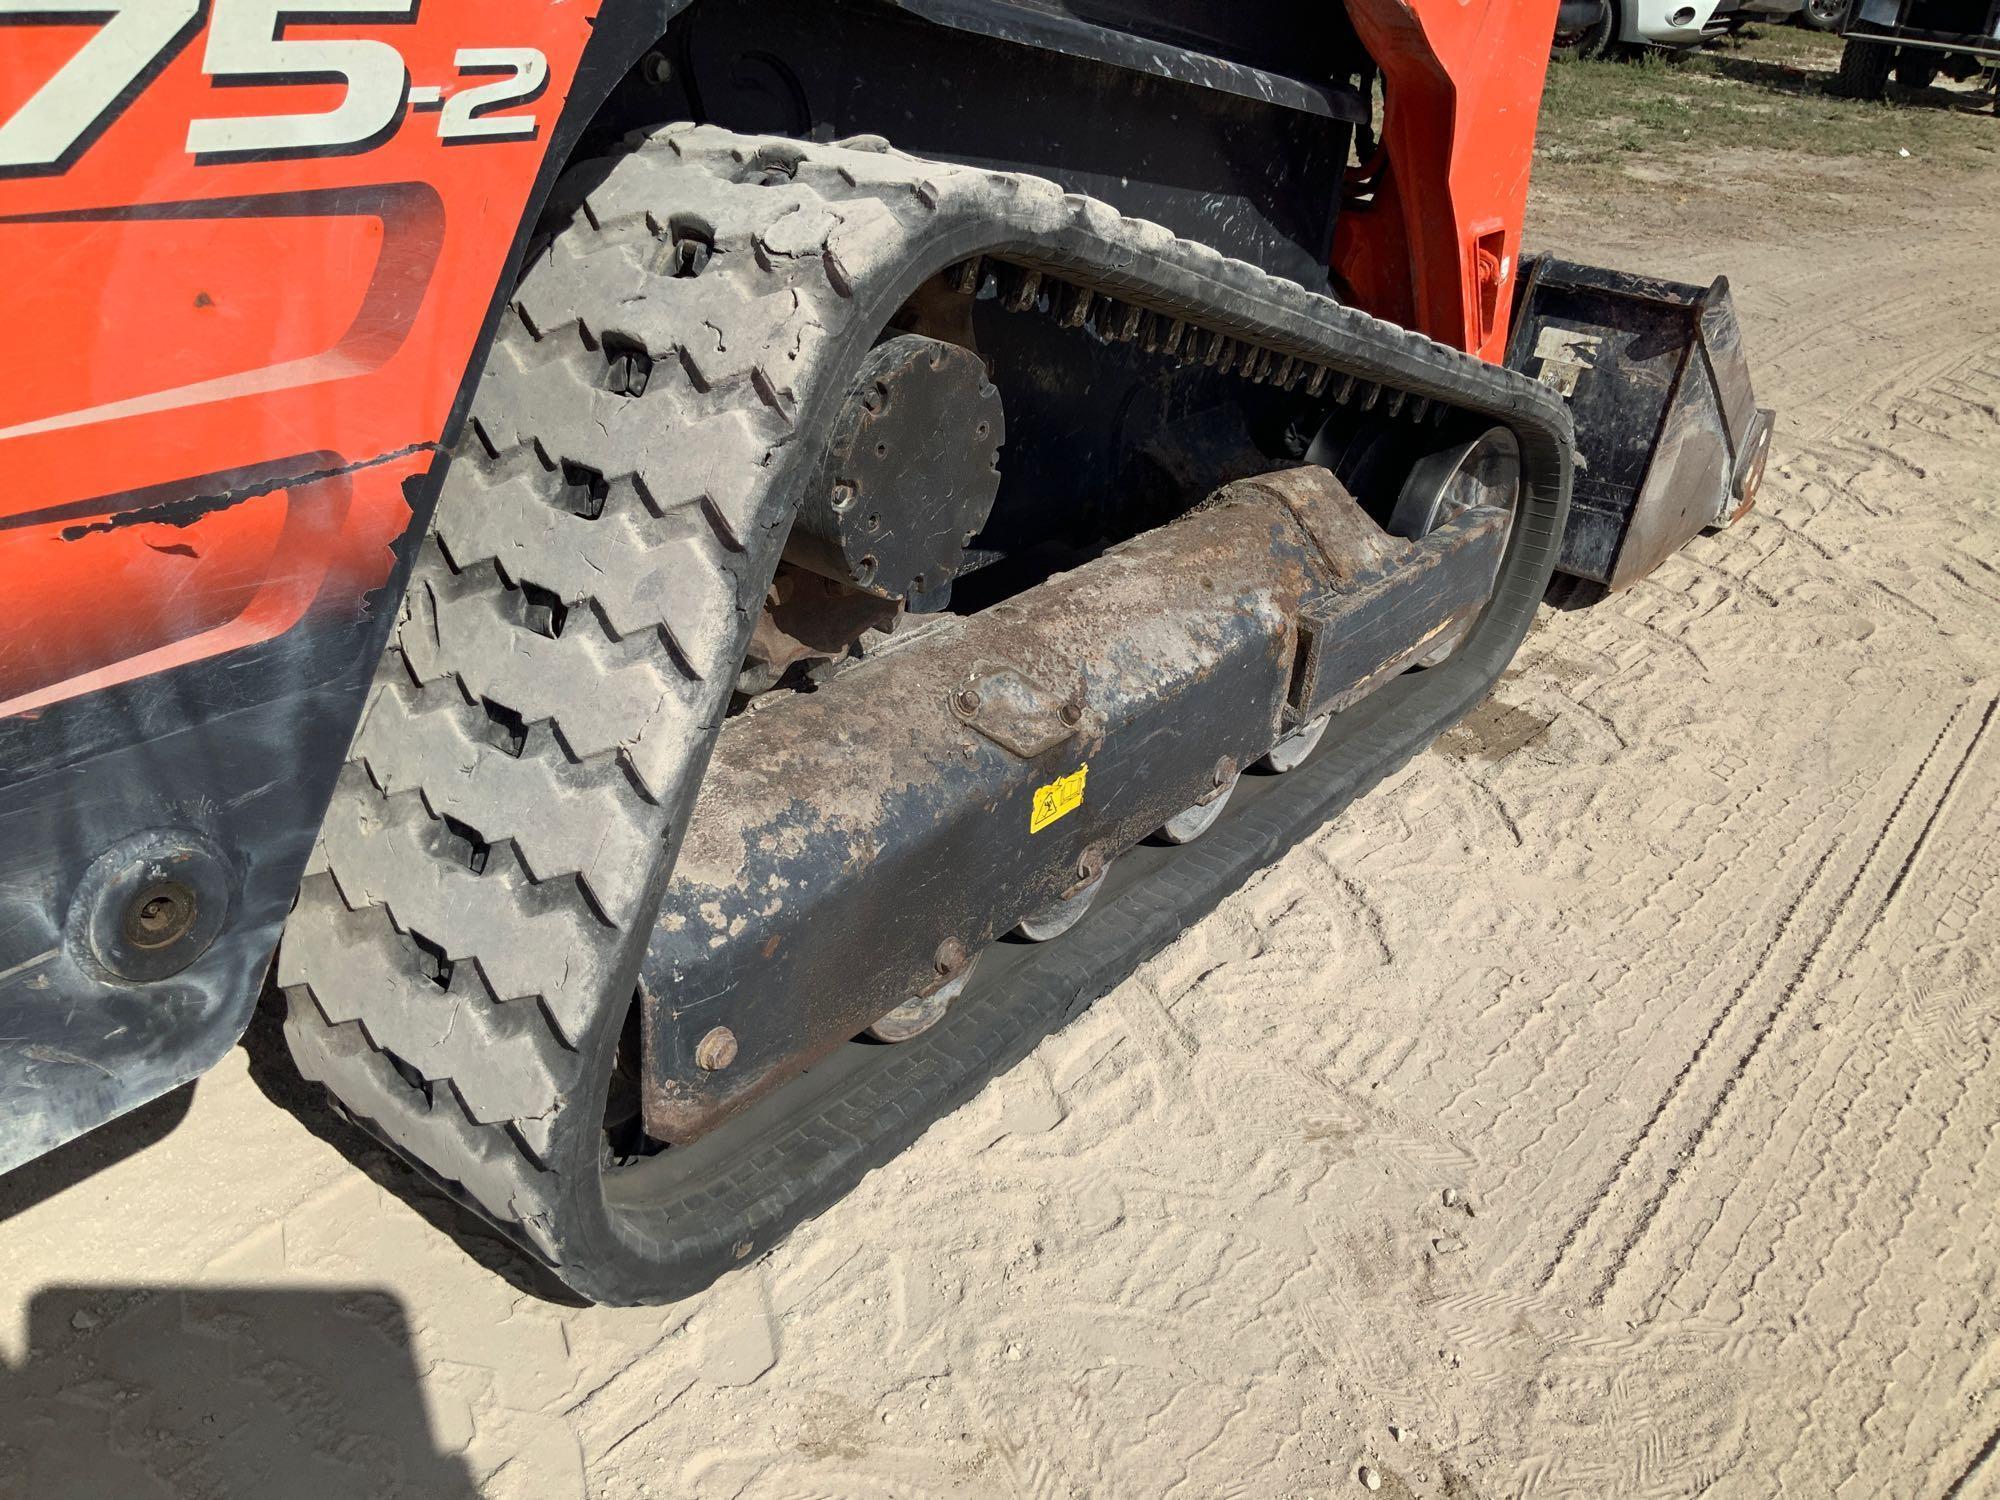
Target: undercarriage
column 646, row 887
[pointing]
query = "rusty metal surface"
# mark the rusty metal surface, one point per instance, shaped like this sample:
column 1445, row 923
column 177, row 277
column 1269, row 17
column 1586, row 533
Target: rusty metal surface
column 1348, row 543
column 807, row 617
column 848, row 840
column 1017, row 713
column 845, row 838
column 1750, row 466
column 1353, row 642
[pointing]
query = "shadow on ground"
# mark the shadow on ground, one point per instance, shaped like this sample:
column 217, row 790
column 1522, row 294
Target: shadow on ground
column 134, row 1392
column 1568, row 593
column 271, row 1069
column 79, row 1160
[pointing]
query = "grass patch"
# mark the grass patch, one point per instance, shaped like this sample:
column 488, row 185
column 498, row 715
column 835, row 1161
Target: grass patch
column 1763, row 90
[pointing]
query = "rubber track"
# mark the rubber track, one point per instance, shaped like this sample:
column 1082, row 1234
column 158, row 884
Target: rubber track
column 467, row 935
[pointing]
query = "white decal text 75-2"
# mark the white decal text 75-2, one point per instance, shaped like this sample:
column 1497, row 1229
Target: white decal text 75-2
column 247, row 45
column 86, row 88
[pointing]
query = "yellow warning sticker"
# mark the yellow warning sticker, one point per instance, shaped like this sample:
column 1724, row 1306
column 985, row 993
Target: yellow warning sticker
column 1061, row 796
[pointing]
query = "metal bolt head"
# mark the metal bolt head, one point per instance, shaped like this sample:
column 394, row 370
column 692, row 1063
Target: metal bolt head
column 966, row 701
column 656, row 68
column 1071, row 714
column 951, row 956
column 160, row 914
column 716, row 1050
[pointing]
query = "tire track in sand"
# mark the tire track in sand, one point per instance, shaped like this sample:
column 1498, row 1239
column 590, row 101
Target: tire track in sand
column 1831, row 946
column 1611, row 1225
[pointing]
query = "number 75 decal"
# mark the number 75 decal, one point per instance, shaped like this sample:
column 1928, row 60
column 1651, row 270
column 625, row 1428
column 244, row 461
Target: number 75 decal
column 247, row 46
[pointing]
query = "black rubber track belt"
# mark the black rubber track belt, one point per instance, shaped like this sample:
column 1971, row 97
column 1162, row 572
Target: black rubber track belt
column 466, row 941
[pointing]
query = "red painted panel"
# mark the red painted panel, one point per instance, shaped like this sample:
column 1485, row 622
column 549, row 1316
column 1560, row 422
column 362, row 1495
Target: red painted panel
column 131, row 308
column 173, row 316
column 86, row 591
column 1462, row 87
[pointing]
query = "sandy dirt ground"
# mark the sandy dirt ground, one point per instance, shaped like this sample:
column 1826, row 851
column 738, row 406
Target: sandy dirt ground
column 1607, row 1106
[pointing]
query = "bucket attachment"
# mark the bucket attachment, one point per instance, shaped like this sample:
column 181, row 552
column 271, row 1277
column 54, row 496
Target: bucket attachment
column 1669, row 438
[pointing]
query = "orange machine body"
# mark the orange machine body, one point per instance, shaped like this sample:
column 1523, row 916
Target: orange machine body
column 222, row 371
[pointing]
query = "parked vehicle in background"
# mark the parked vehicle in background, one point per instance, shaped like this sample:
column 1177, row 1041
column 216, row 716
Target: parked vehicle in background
column 1642, row 23
column 1734, row 15
column 1583, row 29
column 1673, row 24
column 1822, row 15
column 1915, row 41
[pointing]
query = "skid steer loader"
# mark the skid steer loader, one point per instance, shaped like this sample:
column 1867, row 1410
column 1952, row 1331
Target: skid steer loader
column 685, row 576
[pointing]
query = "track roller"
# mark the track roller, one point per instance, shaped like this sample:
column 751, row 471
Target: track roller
column 1290, row 752
column 920, row 1013
column 1187, row 826
column 1053, row 920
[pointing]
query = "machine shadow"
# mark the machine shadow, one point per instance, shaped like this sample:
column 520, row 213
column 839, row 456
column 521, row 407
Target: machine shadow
column 132, row 1390
column 271, row 1069
column 1567, row 593
column 80, row 1159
